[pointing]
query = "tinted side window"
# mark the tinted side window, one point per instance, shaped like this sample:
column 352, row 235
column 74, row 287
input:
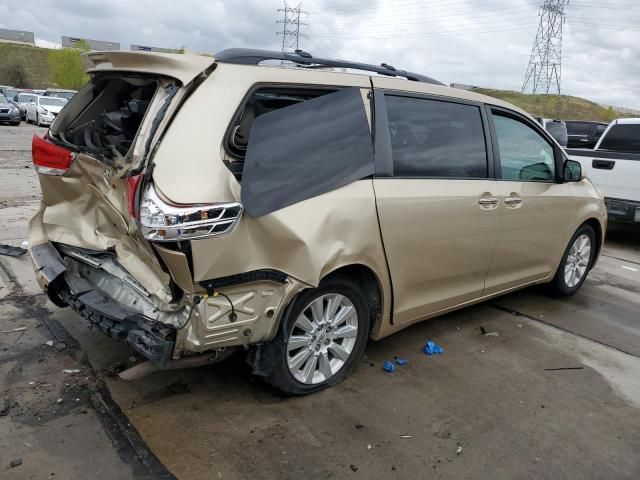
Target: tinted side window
column 525, row 155
column 578, row 128
column 600, row 129
column 622, row 138
column 432, row 138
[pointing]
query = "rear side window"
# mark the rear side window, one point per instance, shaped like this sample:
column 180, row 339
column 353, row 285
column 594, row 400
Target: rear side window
column 525, row 155
column 622, row 138
column 578, row 128
column 433, row 138
column 306, row 149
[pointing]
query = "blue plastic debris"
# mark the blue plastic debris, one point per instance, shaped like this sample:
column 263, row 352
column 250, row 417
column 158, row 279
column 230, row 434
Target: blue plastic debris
column 401, row 361
column 431, row 348
column 389, row 367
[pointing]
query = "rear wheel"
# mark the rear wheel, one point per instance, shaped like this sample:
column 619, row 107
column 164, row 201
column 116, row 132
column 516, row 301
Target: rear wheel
column 576, row 262
column 322, row 339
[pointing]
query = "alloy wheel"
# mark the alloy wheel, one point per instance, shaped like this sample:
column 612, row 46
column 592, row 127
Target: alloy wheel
column 577, row 261
column 322, row 339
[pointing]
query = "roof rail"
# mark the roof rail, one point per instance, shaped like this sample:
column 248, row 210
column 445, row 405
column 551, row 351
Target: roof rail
column 248, row 56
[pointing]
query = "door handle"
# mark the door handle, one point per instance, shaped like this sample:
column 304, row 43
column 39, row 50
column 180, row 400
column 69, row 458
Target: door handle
column 603, row 164
column 486, row 202
column 512, row 201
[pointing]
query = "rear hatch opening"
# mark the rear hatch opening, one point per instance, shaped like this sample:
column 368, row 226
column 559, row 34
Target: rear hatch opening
column 104, row 119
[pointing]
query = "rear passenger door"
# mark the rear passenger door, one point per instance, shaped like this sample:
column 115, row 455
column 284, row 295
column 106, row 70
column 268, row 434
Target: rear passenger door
column 535, row 206
column 436, row 198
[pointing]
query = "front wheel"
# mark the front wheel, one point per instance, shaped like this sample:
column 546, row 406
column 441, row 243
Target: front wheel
column 576, row 262
column 322, row 339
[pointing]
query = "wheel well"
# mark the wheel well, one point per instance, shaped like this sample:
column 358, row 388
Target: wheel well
column 595, row 224
column 367, row 280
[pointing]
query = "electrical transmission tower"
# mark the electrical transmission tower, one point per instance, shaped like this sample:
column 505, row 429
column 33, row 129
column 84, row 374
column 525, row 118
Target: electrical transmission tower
column 545, row 63
column 291, row 23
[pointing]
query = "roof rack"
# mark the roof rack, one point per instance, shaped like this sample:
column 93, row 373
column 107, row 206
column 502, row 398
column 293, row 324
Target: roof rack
column 248, row 56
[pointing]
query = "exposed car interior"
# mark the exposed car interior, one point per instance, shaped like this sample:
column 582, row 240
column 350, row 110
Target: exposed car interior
column 112, row 113
column 259, row 102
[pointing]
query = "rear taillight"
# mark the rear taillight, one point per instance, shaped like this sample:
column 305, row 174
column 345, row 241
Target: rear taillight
column 163, row 222
column 132, row 190
column 48, row 158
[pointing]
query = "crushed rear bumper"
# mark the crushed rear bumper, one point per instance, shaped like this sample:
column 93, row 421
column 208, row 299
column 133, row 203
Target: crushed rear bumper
column 152, row 339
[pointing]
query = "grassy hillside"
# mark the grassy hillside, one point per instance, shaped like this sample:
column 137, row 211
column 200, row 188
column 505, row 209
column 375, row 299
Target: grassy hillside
column 34, row 60
column 553, row 106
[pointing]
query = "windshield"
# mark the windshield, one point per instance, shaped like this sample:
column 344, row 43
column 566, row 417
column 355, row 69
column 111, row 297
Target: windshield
column 53, row 101
column 10, row 93
column 3, row 99
column 25, row 98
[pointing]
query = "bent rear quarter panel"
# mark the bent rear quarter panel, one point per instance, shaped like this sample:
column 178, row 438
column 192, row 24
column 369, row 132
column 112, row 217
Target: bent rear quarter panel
column 307, row 240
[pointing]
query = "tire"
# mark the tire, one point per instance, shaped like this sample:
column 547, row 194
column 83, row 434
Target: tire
column 573, row 270
column 16, row 124
column 333, row 357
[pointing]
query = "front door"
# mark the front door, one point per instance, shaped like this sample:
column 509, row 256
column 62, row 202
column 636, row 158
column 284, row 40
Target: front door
column 535, row 209
column 438, row 209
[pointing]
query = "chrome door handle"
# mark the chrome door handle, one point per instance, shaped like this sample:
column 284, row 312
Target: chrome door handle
column 512, row 201
column 488, row 201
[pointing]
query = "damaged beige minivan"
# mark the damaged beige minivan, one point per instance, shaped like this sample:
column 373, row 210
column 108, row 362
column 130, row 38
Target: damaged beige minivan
column 193, row 206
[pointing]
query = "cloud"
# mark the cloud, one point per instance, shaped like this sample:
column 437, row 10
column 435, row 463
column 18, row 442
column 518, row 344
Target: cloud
column 480, row 42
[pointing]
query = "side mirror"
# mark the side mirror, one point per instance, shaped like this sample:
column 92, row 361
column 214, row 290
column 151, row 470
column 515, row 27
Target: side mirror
column 572, row 171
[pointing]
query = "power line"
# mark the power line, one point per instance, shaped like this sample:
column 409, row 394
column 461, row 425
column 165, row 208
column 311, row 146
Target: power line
column 545, row 62
column 520, row 27
column 291, row 24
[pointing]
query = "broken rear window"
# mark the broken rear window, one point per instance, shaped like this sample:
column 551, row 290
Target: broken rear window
column 306, row 149
column 104, row 117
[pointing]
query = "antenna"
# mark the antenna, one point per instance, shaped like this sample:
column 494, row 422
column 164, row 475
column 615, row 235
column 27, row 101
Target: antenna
column 545, row 63
column 291, row 24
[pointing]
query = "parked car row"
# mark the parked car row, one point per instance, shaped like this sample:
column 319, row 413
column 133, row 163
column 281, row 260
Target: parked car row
column 22, row 98
column 9, row 113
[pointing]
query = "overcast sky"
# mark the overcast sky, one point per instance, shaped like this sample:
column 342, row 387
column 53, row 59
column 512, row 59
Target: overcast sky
column 479, row 42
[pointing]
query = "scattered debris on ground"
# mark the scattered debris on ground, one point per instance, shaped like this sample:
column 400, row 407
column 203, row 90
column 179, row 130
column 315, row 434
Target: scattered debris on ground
column 10, row 251
column 5, row 405
column 484, row 332
column 15, row 463
column 13, row 330
column 388, row 367
column 70, row 370
column 401, row 361
column 459, row 451
column 432, row 348
column 563, row 368
column 178, row 387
